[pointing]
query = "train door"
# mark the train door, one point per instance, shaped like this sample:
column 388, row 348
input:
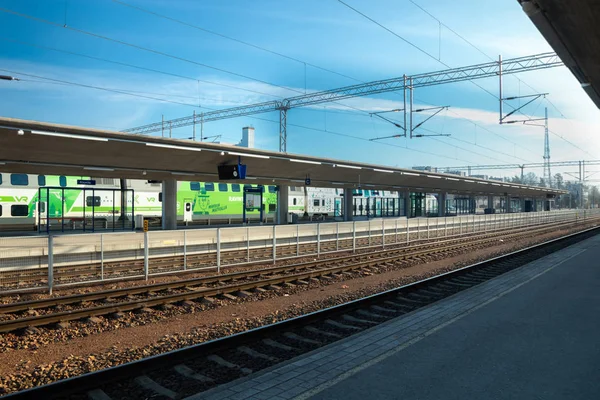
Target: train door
column 187, row 210
column 417, row 204
column 41, row 213
column 337, row 207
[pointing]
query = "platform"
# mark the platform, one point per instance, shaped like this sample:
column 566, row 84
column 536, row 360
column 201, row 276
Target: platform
column 529, row 334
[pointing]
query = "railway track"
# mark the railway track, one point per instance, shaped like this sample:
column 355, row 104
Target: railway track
column 12, row 280
column 181, row 373
column 17, row 316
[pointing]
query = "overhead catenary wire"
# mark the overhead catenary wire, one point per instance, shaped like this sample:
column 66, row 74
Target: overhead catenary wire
column 414, row 46
column 158, row 52
column 241, row 42
column 492, row 59
column 151, row 50
column 143, row 48
column 84, row 85
column 305, row 63
column 231, row 38
column 124, row 92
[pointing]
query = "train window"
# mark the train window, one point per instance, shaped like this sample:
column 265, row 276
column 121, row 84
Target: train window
column 92, row 201
column 235, row 187
column 41, row 180
column 292, row 188
column 41, row 207
column 0, row 179
column 316, row 202
column 209, row 187
column 160, row 197
column 222, row 187
column 294, row 201
column 0, row 210
column 19, row 179
column 62, row 181
column 272, row 207
column 18, row 210
column 366, row 192
column 246, row 186
column 323, row 203
column 195, row 186
column 272, row 189
column 262, row 188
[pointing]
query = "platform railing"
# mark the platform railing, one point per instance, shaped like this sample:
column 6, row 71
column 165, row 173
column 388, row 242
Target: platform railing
column 28, row 263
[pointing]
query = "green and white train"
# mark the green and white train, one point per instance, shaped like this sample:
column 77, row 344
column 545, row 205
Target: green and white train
column 62, row 198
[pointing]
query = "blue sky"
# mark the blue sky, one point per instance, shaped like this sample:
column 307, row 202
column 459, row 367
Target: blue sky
column 324, row 33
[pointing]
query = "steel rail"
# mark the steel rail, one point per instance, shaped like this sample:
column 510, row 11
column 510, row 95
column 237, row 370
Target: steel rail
column 17, row 277
column 46, row 319
column 116, row 293
column 485, row 270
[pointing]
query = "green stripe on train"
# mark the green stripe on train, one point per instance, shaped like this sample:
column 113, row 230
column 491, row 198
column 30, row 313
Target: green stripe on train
column 203, row 202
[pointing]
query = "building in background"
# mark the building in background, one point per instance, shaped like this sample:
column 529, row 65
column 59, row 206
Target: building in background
column 247, row 137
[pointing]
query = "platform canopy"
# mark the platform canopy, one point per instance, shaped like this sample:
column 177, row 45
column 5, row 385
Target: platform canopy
column 571, row 28
column 52, row 149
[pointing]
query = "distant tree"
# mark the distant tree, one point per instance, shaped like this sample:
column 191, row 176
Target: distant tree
column 593, row 196
column 559, row 181
column 542, row 182
column 515, row 179
column 530, row 178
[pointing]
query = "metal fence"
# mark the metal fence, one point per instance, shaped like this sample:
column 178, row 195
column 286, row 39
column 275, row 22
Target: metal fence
column 28, row 263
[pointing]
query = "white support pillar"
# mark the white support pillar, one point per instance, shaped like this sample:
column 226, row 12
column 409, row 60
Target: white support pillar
column 169, row 204
column 348, row 205
column 442, row 204
column 407, row 204
column 490, row 202
column 282, row 205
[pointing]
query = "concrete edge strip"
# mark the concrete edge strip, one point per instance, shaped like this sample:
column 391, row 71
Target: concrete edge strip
column 311, row 392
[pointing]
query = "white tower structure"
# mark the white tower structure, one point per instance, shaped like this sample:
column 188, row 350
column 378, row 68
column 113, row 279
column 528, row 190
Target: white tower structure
column 247, row 137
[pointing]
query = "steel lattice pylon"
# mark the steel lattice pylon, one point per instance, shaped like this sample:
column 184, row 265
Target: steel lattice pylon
column 471, row 72
column 547, row 174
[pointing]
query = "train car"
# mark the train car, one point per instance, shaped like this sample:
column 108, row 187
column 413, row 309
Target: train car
column 23, row 206
column 63, row 199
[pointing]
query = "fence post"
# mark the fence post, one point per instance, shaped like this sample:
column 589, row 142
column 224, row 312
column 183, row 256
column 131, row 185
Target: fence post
column 218, row 250
column 184, row 250
column 101, row 256
column 248, row 244
column 383, row 233
column 50, row 263
column 354, row 236
column 445, row 226
column 274, row 243
column 297, row 240
column 146, row 251
column 318, row 240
